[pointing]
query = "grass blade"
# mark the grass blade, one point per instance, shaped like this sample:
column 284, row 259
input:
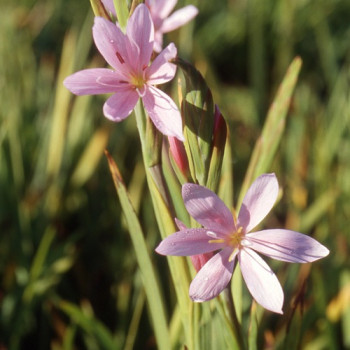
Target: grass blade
column 149, row 278
column 267, row 144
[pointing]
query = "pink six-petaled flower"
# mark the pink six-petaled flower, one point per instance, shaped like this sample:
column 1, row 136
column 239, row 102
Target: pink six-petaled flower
column 133, row 76
column 163, row 21
column 235, row 241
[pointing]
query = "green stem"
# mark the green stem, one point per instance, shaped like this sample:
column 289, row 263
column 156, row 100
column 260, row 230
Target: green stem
column 165, row 218
column 233, row 316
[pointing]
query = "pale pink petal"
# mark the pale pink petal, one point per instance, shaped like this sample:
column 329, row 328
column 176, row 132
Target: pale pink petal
column 110, row 41
column 158, row 41
column 93, row 81
column 163, row 111
column 188, row 242
column 120, row 105
column 109, row 5
column 286, row 245
column 262, row 283
column 213, row 277
column 140, row 33
column 258, row 201
column 179, row 18
column 161, row 70
column 208, row 209
column 199, row 260
column 161, row 8
column 181, row 226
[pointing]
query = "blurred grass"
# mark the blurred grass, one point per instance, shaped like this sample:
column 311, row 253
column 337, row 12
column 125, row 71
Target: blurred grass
column 69, row 276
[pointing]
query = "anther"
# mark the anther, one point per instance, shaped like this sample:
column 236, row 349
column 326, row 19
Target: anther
column 233, row 254
column 216, row 241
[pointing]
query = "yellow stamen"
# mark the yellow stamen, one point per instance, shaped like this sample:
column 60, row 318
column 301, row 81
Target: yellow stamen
column 217, row 241
column 232, row 256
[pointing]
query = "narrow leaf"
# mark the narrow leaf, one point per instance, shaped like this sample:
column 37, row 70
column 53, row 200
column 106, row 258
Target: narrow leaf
column 149, row 278
column 267, row 144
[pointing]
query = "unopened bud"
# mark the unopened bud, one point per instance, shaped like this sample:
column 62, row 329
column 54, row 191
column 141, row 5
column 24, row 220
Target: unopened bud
column 178, row 155
column 218, row 148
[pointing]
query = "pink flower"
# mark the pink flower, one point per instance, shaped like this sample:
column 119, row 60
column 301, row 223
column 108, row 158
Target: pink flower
column 199, row 260
column 236, row 242
column 163, row 23
column 133, row 76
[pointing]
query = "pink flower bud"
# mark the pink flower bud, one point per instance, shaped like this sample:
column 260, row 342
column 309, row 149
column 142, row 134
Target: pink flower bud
column 177, row 150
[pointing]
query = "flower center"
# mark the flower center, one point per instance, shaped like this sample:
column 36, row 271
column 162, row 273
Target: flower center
column 234, row 240
column 137, row 81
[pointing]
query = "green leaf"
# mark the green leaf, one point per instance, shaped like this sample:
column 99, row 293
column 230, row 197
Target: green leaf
column 267, row 144
column 165, row 218
column 148, row 273
column 98, row 9
column 122, row 10
column 92, row 326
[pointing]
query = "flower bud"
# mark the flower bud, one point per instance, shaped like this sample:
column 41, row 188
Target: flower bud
column 178, row 155
column 218, row 148
column 197, row 109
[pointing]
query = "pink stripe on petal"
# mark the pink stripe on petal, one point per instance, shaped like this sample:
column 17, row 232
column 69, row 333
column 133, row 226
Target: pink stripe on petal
column 286, row 245
column 258, row 201
column 110, row 41
column 140, row 33
column 262, row 283
column 188, row 242
column 93, row 81
column 179, row 18
column 120, row 105
column 213, row 277
column 163, row 112
column 161, row 70
column 208, row 209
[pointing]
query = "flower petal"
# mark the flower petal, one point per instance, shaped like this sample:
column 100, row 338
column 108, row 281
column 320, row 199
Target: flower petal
column 161, row 70
column 197, row 260
column 179, row 18
column 191, row 241
column 208, row 209
column 109, row 5
column 258, row 201
column 93, row 82
column 163, row 112
column 161, row 8
column 158, row 41
column 262, row 283
column 140, row 33
column 110, row 41
column 213, row 277
column 120, row 105
column 286, row 245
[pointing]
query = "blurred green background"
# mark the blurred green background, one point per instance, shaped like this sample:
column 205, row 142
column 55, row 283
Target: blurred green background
column 68, row 274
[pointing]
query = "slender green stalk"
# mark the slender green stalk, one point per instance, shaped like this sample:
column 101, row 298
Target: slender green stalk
column 164, row 216
column 149, row 277
column 233, row 316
